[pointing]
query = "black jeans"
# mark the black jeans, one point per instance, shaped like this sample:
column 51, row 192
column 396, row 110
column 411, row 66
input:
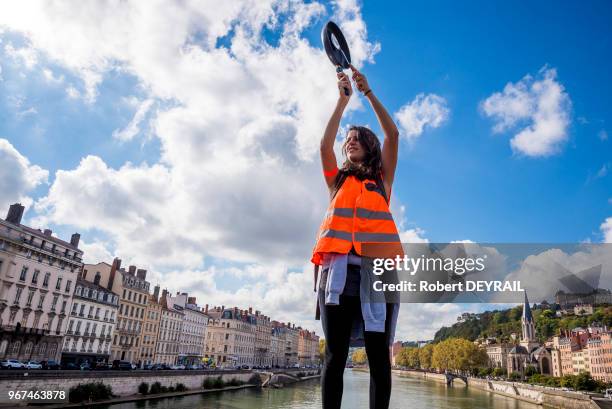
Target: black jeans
column 337, row 321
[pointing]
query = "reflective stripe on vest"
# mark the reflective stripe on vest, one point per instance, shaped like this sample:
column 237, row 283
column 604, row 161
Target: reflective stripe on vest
column 377, row 237
column 337, row 234
column 361, row 212
column 373, row 214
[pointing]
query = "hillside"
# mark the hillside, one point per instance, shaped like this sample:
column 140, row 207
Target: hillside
column 501, row 323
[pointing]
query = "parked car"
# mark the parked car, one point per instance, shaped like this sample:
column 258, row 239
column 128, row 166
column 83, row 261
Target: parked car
column 71, row 366
column 177, row 367
column 101, row 366
column 12, row 364
column 122, row 365
column 33, row 365
column 160, row 367
column 85, row 366
column 50, row 364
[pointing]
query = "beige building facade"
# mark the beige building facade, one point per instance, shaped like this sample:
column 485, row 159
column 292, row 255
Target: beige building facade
column 191, row 338
column 133, row 290
column 170, row 328
column 91, row 323
column 150, row 328
column 38, row 273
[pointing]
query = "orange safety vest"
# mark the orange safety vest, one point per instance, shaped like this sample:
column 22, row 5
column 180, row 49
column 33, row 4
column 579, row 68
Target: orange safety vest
column 358, row 214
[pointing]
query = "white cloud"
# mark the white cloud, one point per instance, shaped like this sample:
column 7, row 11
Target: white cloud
column 606, row 229
column 25, row 55
column 51, row 78
column 17, row 176
column 603, row 171
column 420, row 322
column 603, row 135
column 95, row 252
column 239, row 128
column 133, row 128
column 424, row 111
column 537, row 108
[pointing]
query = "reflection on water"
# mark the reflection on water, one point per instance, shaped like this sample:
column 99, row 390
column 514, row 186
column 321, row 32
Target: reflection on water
column 407, row 393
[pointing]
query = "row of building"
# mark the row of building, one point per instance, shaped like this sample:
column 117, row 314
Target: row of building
column 569, row 353
column 53, row 306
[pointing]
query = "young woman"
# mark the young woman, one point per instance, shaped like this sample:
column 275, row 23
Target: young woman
column 358, row 214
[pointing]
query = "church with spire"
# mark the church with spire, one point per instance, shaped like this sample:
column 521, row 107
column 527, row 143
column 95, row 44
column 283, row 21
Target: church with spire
column 529, row 352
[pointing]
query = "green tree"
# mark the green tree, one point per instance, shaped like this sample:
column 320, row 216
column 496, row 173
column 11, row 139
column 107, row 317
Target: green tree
column 359, row 356
column 425, row 354
column 322, row 349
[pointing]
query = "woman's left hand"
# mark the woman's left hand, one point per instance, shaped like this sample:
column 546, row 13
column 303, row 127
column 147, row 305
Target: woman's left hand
column 360, row 80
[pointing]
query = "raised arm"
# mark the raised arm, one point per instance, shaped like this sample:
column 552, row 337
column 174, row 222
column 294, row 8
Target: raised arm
column 391, row 142
column 328, row 157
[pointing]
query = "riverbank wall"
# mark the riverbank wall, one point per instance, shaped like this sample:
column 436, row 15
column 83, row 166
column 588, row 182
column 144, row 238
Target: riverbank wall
column 123, row 383
column 539, row 395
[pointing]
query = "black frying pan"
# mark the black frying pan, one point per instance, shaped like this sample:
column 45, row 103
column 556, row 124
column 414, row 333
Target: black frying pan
column 336, row 47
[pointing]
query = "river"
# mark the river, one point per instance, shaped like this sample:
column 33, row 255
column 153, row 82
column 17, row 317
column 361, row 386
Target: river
column 407, row 392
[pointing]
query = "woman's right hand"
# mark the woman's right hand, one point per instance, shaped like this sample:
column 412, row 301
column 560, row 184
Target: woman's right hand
column 344, row 83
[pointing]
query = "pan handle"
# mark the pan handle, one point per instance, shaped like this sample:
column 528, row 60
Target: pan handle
column 346, row 90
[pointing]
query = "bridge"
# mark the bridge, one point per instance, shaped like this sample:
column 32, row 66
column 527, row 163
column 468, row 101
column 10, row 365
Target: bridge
column 450, row 377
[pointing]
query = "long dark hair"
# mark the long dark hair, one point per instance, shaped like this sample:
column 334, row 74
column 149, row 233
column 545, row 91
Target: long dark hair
column 370, row 167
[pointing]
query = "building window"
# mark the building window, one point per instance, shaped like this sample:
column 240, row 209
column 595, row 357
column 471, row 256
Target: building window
column 24, row 272
column 97, row 316
column 35, row 276
column 68, row 284
column 41, row 300
column 46, row 280
column 59, row 283
column 18, row 295
column 15, row 347
column 70, row 325
column 81, row 311
column 63, row 307
column 97, row 278
column 78, row 290
column 30, row 296
column 54, row 303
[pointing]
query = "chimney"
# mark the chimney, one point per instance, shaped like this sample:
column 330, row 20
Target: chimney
column 156, row 292
column 164, row 293
column 132, row 270
column 222, row 307
column 191, row 300
column 141, row 273
column 48, row 232
column 250, row 310
column 15, row 213
column 74, row 240
column 206, row 309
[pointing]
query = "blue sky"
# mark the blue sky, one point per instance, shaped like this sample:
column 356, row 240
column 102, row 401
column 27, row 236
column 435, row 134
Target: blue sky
column 457, row 179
